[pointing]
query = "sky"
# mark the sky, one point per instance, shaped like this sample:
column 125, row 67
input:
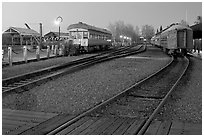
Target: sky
column 99, row 14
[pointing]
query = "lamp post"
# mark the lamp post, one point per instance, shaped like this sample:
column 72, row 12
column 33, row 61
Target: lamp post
column 57, row 22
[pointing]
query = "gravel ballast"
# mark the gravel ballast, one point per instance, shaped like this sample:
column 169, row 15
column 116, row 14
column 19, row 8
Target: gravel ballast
column 81, row 90
column 185, row 104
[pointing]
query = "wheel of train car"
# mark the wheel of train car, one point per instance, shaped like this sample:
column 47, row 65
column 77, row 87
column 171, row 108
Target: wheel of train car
column 100, row 47
column 183, row 52
column 106, row 47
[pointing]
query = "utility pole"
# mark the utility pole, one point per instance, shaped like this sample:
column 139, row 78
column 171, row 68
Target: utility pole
column 186, row 16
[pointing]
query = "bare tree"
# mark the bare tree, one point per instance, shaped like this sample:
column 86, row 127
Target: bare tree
column 137, row 30
column 120, row 28
column 183, row 22
column 199, row 20
column 148, row 32
column 161, row 29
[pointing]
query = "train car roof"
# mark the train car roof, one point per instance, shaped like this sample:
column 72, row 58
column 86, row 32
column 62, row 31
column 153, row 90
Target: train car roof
column 88, row 27
column 177, row 27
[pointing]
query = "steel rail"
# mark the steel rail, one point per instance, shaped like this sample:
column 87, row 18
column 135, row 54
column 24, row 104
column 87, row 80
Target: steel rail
column 100, row 105
column 75, row 62
column 149, row 120
column 61, row 72
column 34, row 60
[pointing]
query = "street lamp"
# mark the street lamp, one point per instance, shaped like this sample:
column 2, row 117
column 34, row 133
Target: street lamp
column 57, row 22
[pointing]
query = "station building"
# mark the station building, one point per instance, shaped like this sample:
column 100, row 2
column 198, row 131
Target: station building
column 53, row 36
column 20, row 36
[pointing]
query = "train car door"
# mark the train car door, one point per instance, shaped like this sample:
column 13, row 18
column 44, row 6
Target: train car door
column 189, row 40
column 181, row 38
column 172, row 40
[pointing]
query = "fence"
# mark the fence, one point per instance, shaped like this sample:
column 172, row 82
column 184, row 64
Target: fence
column 16, row 53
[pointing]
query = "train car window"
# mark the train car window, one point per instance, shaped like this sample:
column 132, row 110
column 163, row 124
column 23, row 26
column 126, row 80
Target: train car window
column 90, row 36
column 79, row 35
column 73, row 35
column 85, row 35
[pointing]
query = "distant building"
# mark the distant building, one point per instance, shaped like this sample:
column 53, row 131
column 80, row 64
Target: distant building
column 20, row 36
column 55, row 36
column 197, row 31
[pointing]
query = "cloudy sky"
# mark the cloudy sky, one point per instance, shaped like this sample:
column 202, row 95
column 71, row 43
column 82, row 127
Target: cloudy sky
column 99, row 14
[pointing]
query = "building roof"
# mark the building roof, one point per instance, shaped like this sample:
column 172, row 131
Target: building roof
column 88, row 27
column 21, row 31
column 196, row 27
column 56, row 34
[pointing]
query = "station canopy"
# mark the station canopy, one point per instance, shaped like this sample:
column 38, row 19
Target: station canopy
column 21, row 32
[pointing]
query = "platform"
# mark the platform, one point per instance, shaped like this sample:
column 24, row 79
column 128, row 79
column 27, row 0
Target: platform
column 197, row 55
column 16, row 121
column 173, row 128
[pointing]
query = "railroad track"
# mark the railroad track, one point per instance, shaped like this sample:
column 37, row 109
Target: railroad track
column 26, row 81
column 129, row 112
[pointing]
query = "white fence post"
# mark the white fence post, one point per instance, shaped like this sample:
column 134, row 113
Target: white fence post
column 25, row 54
column 63, row 50
column 38, row 53
column 56, row 50
column 48, row 51
column 10, row 56
column 60, row 50
column 52, row 49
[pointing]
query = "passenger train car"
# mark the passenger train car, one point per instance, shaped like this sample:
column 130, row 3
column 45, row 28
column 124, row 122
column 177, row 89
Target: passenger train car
column 175, row 39
column 88, row 37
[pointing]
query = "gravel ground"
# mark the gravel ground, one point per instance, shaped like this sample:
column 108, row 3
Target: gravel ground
column 33, row 66
column 185, row 103
column 81, row 90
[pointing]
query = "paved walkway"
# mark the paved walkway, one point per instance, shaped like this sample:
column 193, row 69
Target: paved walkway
column 198, row 55
column 17, row 121
column 173, row 128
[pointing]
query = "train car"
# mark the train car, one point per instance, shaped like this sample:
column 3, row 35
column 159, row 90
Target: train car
column 89, row 38
column 176, row 39
column 155, row 40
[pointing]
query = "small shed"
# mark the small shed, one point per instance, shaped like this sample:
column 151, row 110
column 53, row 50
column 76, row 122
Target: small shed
column 20, row 36
column 55, row 35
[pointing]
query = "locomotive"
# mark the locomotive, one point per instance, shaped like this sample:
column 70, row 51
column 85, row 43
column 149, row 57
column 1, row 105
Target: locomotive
column 175, row 40
column 89, row 38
